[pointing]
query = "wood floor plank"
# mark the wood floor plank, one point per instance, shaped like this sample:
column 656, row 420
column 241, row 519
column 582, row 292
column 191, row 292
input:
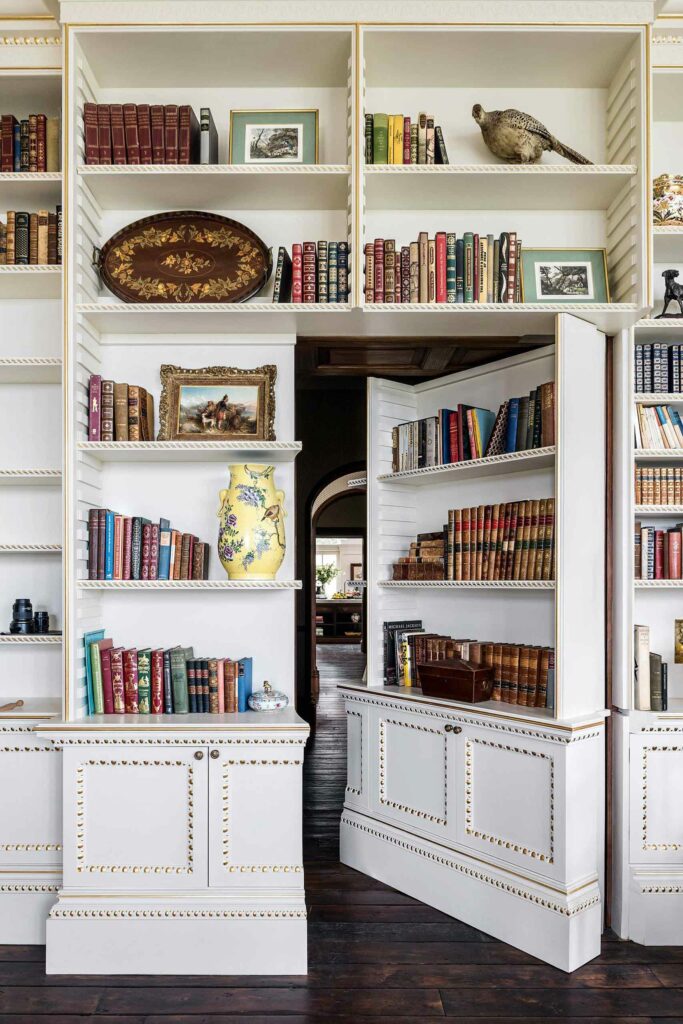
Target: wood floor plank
column 532, row 1003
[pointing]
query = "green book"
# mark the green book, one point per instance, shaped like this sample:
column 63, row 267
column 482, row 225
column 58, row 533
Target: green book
column 380, row 139
column 179, row 658
column 450, row 267
column 469, row 266
column 96, row 669
column 144, row 681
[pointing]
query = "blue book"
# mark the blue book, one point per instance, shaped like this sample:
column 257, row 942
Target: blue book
column 675, row 418
column 511, row 435
column 342, row 272
column 485, row 420
column 17, row 147
column 244, row 677
column 333, row 272
column 90, row 638
column 164, row 549
column 460, row 270
column 109, row 546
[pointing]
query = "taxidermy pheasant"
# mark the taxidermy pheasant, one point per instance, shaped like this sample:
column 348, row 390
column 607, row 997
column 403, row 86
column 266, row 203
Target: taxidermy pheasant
column 519, row 138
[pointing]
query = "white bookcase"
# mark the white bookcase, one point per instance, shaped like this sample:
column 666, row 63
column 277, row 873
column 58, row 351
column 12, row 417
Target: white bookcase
column 30, row 516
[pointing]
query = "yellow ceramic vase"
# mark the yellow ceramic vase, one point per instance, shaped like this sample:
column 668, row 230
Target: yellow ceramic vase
column 251, row 534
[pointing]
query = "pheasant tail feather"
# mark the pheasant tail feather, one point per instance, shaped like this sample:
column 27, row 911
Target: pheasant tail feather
column 568, row 153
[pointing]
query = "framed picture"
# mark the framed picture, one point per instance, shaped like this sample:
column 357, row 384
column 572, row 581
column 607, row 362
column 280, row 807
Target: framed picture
column 273, row 137
column 219, row 403
column 564, row 275
column 356, row 570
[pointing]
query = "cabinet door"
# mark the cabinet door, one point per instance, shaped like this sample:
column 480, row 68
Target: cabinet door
column 255, row 818
column 30, row 799
column 656, row 770
column 135, row 817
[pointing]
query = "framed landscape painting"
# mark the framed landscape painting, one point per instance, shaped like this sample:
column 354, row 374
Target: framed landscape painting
column 564, row 275
column 263, row 137
column 218, row 403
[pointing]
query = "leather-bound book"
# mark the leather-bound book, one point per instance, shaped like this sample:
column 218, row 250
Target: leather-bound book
column 104, row 146
column 297, row 272
column 153, row 551
column 59, row 234
column 134, row 413
column 107, row 684
column 144, row 425
column 136, row 548
column 198, row 561
column 497, row 671
column 309, row 272
column 168, row 685
column 213, row 686
column 185, row 562
column 156, row 117
column 52, row 239
column 532, row 677
column 174, row 569
column 157, row 697
column 343, row 271
column 130, row 681
column 205, row 686
column 369, row 289
column 92, row 152
column 52, row 141
column 548, row 413
column 33, row 238
column 191, row 671
column 117, row 686
column 33, row 142
column 144, row 681
column 542, row 687
column 127, row 568
column 549, row 549
column 188, row 135
column 92, row 543
column 506, row 666
column 41, row 142
column 146, row 550
column 512, row 267
column 171, row 133
column 333, row 293
column 149, row 423
column 130, row 124
column 23, row 144
column 10, row 238
column 282, row 287
column 21, row 254
column 514, row 673
column 389, row 270
column 379, row 270
column 101, row 542
column 208, row 144
column 118, row 134
column 179, row 658
column 144, row 133
column 7, row 125
column 118, row 547
column 120, row 412
column 230, row 686
column 221, row 686
column 322, row 272
column 107, row 420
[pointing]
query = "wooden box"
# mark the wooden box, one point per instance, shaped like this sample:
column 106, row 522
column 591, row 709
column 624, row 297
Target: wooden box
column 456, row 679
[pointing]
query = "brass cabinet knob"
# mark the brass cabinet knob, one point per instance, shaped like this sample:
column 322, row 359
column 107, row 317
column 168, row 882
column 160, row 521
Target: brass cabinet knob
column 198, row 755
column 452, row 728
column 214, row 754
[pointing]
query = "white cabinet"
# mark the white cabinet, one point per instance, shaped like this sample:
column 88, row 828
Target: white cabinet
column 656, row 771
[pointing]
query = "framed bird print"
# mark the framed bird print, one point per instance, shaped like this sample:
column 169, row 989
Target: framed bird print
column 564, row 275
column 217, row 403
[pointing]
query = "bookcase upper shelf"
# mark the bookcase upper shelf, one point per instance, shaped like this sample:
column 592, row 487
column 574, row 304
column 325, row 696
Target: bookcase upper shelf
column 33, row 189
column 667, row 242
column 30, row 282
column 190, row 451
column 171, row 585
column 30, row 370
column 492, row 465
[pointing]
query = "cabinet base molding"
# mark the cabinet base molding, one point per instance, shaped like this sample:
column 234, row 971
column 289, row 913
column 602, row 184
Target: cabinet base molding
column 25, row 902
column 563, row 930
column 121, row 934
column 656, row 908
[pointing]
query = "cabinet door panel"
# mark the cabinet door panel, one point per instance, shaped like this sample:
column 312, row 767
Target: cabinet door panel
column 135, row 817
column 656, row 819
column 30, row 801
column 255, row 820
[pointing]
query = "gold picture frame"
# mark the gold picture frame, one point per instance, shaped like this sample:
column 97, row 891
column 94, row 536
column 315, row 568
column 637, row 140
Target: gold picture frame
column 217, row 403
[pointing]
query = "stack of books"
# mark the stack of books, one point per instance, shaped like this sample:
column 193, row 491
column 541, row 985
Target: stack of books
column 148, row 133
column 657, row 553
column 657, row 368
column 119, row 412
column 651, row 674
column 465, row 433
column 659, row 485
column 31, row 238
column 133, row 548
column 472, row 269
column 395, row 139
column 29, row 145
column 314, row 273
column 658, row 426
column 170, row 682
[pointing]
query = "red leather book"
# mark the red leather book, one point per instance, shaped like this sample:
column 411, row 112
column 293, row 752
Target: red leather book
column 130, row 124
column 441, row 266
column 406, row 140
column 118, row 547
column 144, row 133
column 297, row 273
column 94, row 407
column 512, row 267
column 117, row 687
column 127, row 548
column 190, row 556
column 397, row 277
column 33, row 142
column 146, row 550
column 153, row 551
column 188, row 135
column 309, row 272
column 453, row 434
column 171, row 133
column 379, row 270
column 118, row 133
column 157, row 695
column 7, row 142
column 101, row 541
column 107, row 686
column 92, row 153
column 156, row 117
column 104, row 133
column 130, row 681
column 674, row 540
column 42, row 142
column 659, row 554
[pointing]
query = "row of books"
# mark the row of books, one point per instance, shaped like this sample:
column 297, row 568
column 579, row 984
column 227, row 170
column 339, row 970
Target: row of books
column 651, row 674
column 395, row 139
column 658, row 426
column 162, row 682
column 658, row 485
column 313, row 273
column 134, row 548
column 658, row 368
column 657, row 553
column 465, row 433
column 119, row 412
column 31, row 144
column 31, row 238
column 148, row 133
column 523, row 674
column 474, row 268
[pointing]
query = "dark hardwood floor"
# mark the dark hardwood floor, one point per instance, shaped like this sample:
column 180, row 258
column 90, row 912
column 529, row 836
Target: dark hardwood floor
column 374, row 954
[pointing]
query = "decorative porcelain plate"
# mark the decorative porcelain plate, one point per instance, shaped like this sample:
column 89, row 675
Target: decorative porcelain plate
column 184, row 257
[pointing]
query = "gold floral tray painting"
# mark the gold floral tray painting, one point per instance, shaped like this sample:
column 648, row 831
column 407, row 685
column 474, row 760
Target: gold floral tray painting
column 183, row 257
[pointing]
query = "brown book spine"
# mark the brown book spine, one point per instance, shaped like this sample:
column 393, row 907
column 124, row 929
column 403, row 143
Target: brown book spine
column 144, row 133
column 497, row 671
column 104, row 133
column 171, row 133
column 549, row 546
column 514, row 674
column 481, row 511
column 519, row 539
column 134, row 413
column 52, row 239
column 506, row 665
column 530, row 541
column 144, row 426
column 185, row 557
column 154, row 551
column 523, row 688
column 107, row 411
column 43, row 218
column 149, row 419
column 11, row 253
column 90, row 133
column 117, row 681
column 120, row 412
column 537, row 571
column 188, row 136
column 542, row 688
column 156, row 117
column 146, row 550
column 198, row 561
column 33, row 238
column 130, row 124
column 41, row 142
column 548, row 414
column 118, row 133
column 532, row 677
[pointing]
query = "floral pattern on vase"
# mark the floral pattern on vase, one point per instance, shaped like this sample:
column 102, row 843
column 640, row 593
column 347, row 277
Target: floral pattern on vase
column 251, row 533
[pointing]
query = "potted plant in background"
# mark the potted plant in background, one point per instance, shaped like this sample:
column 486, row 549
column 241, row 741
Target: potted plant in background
column 324, row 574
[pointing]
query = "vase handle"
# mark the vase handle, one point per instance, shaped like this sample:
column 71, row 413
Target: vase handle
column 222, row 496
column 280, row 495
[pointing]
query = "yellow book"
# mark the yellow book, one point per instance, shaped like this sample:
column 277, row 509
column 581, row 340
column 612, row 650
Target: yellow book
column 477, row 435
column 397, row 151
column 390, row 154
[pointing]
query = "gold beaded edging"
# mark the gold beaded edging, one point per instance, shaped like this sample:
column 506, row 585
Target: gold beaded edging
column 359, row 715
column 228, row 914
column 27, row 887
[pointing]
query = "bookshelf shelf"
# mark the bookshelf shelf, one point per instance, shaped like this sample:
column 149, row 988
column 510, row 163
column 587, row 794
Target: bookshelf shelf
column 667, row 242
column 518, row 317
column 658, row 510
column 218, row 187
column 31, row 477
column 495, row 186
column 171, row 585
column 37, row 189
column 654, row 398
column 658, row 584
column 33, row 708
column 30, row 370
column 28, row 641
column 190, row 451
column 30, row 282
column 493, row 465
column 673, row 329
column 660, row 454
column 30, row 549
column 520, row 585
column 212, row 318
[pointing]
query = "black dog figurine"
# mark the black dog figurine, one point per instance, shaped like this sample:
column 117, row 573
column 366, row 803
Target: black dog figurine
column 673, row 292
